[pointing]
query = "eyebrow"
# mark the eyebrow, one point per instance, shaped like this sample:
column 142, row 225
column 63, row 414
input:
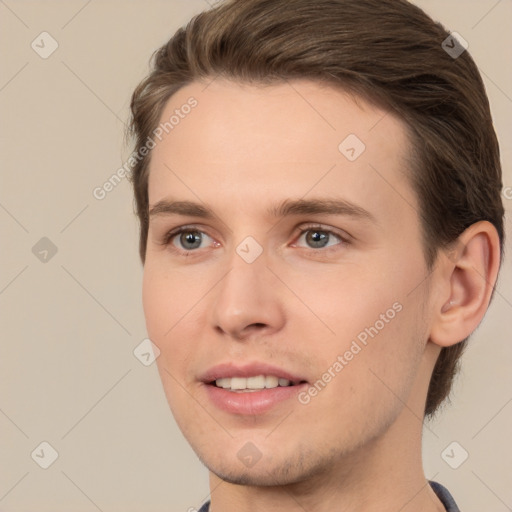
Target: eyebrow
column 284, row 209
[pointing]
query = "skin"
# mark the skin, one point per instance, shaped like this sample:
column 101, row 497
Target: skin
column 298, row 305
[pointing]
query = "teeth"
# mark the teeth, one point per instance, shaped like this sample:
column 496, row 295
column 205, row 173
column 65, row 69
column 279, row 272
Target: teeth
column 255, row 382
column 223, row 383
column 271, row 382
column 251, row 383
column 238, row 383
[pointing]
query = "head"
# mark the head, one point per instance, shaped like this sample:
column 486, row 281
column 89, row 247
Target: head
column 272, row 90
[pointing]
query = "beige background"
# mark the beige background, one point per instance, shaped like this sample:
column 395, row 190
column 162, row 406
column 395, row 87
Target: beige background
column 70, row 325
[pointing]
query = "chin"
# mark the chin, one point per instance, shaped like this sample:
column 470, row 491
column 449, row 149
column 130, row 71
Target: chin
column 288, row 469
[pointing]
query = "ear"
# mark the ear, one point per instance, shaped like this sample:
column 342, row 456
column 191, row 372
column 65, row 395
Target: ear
column 468, row 271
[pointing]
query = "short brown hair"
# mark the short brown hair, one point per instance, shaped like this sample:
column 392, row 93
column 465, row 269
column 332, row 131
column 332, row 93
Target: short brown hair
column 387, row 51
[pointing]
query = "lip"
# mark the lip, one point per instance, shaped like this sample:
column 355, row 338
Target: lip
column 253, row 403
column 250, row 403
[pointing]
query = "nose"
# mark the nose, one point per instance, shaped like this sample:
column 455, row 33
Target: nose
column 247, row 301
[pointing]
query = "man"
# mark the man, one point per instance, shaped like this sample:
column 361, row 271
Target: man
column 318, row 186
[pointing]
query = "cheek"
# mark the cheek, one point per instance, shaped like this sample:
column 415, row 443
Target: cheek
column 345, row 300
column 167, row 307
column 382, row 357
column 165, row 299
column 369, row 314
column 169, row 313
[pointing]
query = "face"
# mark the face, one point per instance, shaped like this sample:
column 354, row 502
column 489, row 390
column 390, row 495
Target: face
column 281, row 251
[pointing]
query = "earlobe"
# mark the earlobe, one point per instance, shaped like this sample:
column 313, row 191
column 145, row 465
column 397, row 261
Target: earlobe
column 470, row 272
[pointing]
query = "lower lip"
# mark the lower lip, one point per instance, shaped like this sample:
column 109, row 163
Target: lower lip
column 251, row 402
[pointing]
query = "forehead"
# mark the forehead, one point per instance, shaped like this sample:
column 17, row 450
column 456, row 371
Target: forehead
column 282, row 140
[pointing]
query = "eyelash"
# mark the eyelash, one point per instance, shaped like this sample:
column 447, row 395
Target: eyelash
column 169, row 236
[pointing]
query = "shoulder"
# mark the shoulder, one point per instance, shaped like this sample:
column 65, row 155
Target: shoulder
column 444, row 495
column 205, row 507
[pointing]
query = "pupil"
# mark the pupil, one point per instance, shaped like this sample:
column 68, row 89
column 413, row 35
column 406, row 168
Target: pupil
column 318, row 238
column 191, row 237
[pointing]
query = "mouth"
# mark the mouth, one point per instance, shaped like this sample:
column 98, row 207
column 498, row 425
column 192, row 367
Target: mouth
column 253, row 383
column 251, row 389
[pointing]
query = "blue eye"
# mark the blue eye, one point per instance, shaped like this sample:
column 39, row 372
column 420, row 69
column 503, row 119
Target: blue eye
column 189, row 239
column 186, row 239
column 317, row 238
column 194, row 238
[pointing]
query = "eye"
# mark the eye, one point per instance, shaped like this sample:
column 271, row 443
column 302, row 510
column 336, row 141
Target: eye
column 187, row 239
column 318, row 237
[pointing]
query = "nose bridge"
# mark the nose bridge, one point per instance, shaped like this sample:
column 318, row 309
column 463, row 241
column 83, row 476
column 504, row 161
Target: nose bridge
column 245, row 295
column 243, row 283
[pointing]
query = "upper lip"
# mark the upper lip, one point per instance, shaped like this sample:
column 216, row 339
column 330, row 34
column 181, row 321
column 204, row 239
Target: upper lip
column 229, row 370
